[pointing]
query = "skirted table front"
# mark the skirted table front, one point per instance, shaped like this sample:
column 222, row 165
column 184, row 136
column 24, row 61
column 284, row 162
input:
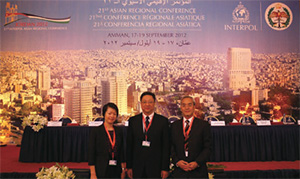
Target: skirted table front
column 229, row 143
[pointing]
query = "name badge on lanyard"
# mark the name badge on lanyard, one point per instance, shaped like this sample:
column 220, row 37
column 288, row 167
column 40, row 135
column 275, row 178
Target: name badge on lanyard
column 112, row 162
column 186, row 153
column 146, row 143
column 186, row 135
column 113, row 143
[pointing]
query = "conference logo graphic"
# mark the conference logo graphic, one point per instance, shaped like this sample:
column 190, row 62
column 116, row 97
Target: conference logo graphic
column 240, row 14
column 240, row 20
column 278, row 16
column 12, row 15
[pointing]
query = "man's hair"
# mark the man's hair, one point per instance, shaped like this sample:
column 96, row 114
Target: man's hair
column 111, row 105
column 184, row 97
column 147, row 93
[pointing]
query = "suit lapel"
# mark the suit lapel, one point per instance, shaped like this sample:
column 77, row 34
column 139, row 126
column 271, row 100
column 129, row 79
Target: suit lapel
column 180, row 128
column 180, row 139
column 105, row 138
column 194, row 126
column 140, row 125
column 118, row 137
column 153, row 124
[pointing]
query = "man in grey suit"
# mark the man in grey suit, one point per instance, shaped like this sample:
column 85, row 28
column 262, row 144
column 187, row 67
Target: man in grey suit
column 148, row 144
column 190, row 143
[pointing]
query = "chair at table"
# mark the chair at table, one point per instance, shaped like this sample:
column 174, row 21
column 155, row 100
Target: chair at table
column 211, row 118
column 235, row 123
column 99, row 119
column 247, row 120
column 65, row 120
column 287, row 119
column 173, row 119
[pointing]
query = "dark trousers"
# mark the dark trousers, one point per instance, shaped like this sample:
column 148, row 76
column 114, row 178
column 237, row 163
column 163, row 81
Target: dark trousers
column 144, row 175
column 112, row 172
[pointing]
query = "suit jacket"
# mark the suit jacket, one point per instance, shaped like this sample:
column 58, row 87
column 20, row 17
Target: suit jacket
column 199, row 148
column 99, row 147
column 152, row 159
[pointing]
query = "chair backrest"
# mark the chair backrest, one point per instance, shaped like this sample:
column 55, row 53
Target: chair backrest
column 288, row 119
column 247, row 119
column 65, row 121
column 211, row 118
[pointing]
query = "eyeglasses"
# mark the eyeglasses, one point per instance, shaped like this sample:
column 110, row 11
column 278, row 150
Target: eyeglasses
column 147, row 102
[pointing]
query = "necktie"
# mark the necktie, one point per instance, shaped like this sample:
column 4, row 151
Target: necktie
column 186, row 137
column 147, row 121
column 187, row 125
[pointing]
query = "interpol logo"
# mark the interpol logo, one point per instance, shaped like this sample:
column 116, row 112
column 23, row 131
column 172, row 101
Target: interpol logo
column 278, row 16
column 240, row 20
column 240, row 14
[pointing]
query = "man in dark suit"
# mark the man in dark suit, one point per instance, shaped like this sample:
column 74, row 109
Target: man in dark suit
column 191, row 143
column 148, row 148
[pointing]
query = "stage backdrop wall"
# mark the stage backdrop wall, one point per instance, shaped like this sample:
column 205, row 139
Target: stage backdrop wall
column 161, row 45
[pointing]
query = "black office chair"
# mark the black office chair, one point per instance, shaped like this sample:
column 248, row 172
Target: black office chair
column 65, row 121
column 287, row 119
column 247, row 120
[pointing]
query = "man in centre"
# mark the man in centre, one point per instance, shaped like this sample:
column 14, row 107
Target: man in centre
column 148, row 145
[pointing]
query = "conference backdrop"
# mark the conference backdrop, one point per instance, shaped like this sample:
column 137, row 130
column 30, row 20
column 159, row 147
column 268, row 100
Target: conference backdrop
column 163, row 45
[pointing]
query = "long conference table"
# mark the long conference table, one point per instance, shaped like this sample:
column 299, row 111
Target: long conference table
column 229, row 143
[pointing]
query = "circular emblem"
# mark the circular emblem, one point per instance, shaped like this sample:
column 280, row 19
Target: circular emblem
column 240, row 14
column 278, row 16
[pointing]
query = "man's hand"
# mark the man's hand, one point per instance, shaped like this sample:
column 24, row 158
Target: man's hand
column 129, row 173
column 164, row 174
column 93, row 176
column 183, row 165
column 193, row 165
column 123, row 174
column 93, row 172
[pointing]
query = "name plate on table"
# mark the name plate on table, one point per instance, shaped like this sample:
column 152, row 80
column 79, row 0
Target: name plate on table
column 263, row 123
column 217, row 123
column 54, row 123
column 95, row 123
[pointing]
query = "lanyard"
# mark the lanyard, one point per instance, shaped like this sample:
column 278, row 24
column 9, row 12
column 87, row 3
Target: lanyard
column 186, row 134
column 147, row 128
column 112, row 142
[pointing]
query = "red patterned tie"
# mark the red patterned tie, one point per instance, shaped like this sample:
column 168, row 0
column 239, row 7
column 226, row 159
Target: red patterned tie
column 186, row 137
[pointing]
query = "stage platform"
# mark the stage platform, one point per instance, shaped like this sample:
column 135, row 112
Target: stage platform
column 10, row 167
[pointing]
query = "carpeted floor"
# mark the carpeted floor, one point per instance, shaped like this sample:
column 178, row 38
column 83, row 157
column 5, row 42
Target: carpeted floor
column 10, row 162
column 271, row 165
